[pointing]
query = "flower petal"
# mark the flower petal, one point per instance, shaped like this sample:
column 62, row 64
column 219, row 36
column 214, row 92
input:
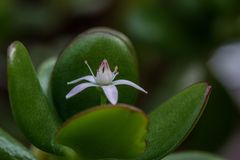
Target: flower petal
column 111, row 93
column 87, row 78
column 129, row 83
column 79, row 88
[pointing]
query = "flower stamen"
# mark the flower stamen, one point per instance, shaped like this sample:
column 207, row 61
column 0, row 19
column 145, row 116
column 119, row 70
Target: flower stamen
column 89, row 67
column 105, row 80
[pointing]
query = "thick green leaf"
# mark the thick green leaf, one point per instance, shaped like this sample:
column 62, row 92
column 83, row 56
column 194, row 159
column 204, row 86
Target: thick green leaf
column 41, row 155
column 10, row 149
column 30, row 107
column 106, row 132
column 44, row 73
column 172, row 121
column 214, row 130
column 115, row 33
column 192, row 155
column 93, row 46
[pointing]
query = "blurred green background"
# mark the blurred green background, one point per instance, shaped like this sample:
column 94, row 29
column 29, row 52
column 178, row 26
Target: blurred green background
column 178, row 43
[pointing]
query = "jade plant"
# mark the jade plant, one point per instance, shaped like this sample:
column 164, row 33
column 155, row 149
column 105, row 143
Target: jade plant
column 63, row 122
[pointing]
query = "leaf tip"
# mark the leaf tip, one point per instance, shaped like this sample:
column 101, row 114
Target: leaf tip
column 207, row 92
column 11, row 51
column 208, row 89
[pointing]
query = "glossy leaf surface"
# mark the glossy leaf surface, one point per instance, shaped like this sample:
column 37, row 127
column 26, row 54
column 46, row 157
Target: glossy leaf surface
column 30, row 107
column 93, row 46
column 172, row 121
column 10, row 149
column 193, row 155
column 106, row 132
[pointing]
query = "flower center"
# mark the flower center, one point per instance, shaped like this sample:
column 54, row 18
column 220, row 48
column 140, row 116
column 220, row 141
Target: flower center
column 104, row 74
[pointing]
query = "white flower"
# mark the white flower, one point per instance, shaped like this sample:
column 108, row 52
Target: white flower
column 104, row 79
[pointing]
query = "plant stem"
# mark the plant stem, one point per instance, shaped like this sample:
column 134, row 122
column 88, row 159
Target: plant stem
column 103, row 99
